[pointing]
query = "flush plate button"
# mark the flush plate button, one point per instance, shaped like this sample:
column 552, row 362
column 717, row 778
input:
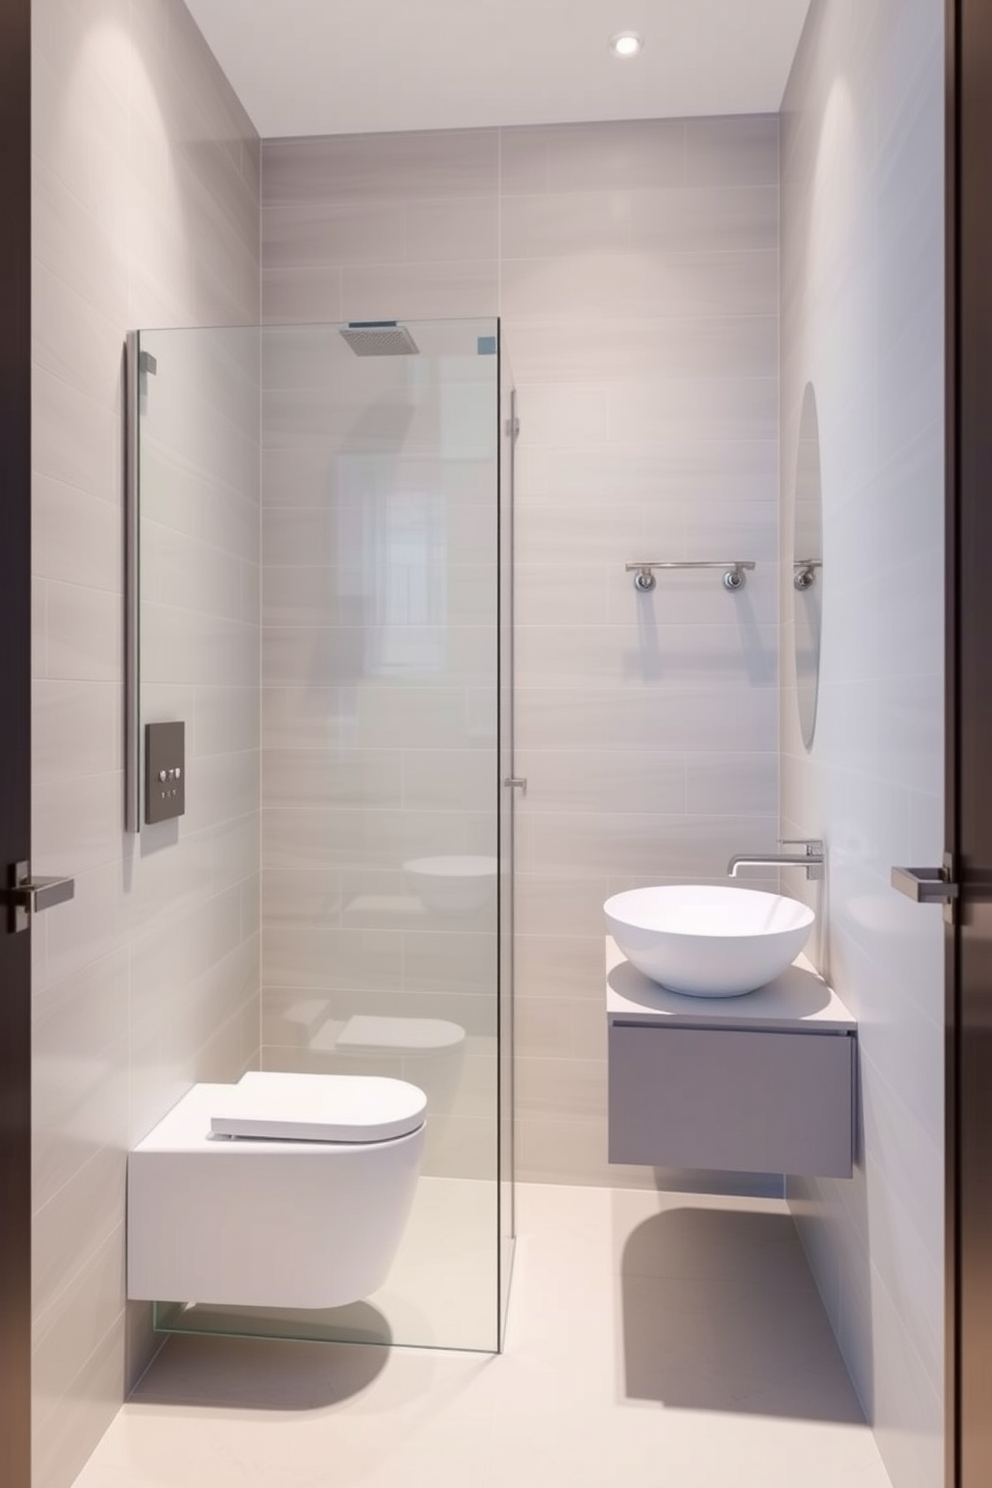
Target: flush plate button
column 165, row 770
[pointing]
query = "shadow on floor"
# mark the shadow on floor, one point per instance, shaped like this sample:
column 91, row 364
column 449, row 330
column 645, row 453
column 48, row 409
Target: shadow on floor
column 258, row 1373
column 720, row 1313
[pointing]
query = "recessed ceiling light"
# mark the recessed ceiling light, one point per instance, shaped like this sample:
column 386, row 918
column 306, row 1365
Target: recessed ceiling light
column 625, row 44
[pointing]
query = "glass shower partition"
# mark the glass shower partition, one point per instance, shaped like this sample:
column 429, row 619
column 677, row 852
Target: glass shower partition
column 386, row 742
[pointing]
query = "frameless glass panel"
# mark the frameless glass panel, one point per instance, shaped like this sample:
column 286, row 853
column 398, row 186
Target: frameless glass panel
column 386, row 847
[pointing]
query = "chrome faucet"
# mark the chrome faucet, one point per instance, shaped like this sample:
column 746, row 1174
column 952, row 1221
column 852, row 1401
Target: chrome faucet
column 811, row 859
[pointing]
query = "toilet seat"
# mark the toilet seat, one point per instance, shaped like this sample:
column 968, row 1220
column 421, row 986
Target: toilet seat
column 317, row 1108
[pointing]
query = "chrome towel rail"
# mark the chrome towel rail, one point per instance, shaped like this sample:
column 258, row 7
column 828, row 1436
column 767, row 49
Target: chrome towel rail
column 733, row 572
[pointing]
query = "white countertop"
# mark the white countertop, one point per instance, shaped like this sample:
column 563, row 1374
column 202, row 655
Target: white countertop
column 799, row 998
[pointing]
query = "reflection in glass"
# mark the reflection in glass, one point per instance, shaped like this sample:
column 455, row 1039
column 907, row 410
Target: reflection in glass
column 807, row 566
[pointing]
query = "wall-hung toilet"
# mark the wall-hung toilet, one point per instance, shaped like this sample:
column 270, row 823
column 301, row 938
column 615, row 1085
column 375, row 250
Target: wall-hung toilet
column 284, row 1190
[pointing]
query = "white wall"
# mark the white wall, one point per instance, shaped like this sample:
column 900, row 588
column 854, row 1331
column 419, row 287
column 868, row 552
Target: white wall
column 862, row 274
column 145, row 213
column 635, row 266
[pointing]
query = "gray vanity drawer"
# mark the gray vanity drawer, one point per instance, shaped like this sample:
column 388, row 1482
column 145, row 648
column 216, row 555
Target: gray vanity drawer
column 739, row 1100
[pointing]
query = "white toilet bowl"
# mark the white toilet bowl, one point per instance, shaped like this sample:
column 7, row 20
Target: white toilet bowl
column 284, row 1190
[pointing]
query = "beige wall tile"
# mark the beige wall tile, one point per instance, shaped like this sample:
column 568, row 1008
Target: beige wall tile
column 740, row 151
column 640, row 300
column 146, row 213
column 880, row 184
column 421, row 291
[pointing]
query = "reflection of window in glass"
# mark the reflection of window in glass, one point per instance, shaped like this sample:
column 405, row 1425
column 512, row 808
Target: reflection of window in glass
column 397, row 591
column 409, row 552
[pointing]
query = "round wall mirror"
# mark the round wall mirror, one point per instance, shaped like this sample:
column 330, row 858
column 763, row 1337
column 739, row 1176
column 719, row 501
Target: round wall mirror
column 807, row 565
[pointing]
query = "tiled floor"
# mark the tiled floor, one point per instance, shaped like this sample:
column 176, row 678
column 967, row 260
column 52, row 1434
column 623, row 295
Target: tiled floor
column 654, row 1341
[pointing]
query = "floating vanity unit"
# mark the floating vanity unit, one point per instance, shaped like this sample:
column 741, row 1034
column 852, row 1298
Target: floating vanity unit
column 761, row 1084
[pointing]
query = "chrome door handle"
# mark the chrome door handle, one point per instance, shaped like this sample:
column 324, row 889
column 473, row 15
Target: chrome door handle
column 25, row 896
column 926, row 885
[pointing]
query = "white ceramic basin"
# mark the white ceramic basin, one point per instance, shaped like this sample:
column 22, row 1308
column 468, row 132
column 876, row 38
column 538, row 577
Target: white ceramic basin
column 708, row 942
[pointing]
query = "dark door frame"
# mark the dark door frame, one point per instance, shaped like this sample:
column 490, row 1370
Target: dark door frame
column 15, row 737
column 969, row 742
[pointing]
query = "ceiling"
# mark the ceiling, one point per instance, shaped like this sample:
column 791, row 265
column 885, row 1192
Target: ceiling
column 361, row 66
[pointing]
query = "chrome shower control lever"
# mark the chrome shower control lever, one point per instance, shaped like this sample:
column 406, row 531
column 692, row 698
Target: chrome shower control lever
column 25, row 896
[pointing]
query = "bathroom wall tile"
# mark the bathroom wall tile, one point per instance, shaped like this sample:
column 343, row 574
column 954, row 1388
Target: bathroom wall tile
column 563, row 1088
column 76, row 536
column 421, row 291
column 448, row 779
column 83, row 633
column 550, row 225
column 560, row 351
column 680, row 276
column 64, row 1334
column 577, row 717
column 337, row 232
column 93, row 269
column 733, row 784
column 303, row 717
column 177, row 570
column 75, row 1223
column 589, row 844
column 593, row 157
column 84, row 822
column 557, row 1150
column 731, row 410
column 450, row 961
column 741, row 151
column 65, row 1438
column 881, row 1279
column 313, row 778
column 75, row 439
column 152, row 219
column 463, row 228
column 548, row 965
column 546, row 905
column 709, row 218
column 617, row 285
column 411, row 165
column 88, row 713
column 80, row 1100
column 293, row 296
column 225, row 719
column 362, row 838
column 627, row 659
column 319, row 957
column 583, row 781
column 541, row 1027
column 659, row 474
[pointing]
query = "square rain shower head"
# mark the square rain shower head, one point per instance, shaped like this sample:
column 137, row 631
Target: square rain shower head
column 379, row 338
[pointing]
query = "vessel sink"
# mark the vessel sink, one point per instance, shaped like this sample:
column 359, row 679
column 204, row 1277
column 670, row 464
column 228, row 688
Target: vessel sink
column 708, row 941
